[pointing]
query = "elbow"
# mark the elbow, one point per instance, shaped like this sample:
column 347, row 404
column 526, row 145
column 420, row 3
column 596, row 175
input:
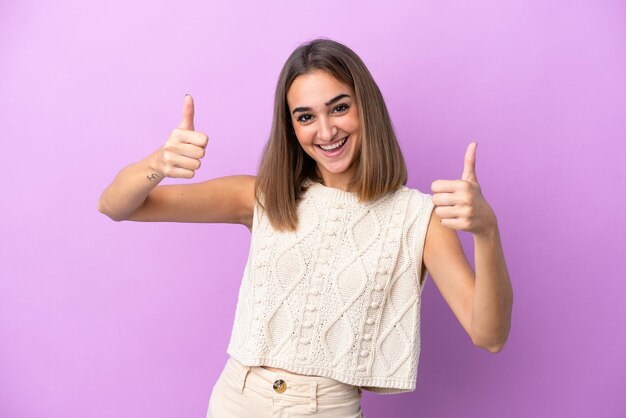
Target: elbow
column 494, row 346
column 104, row 209
column 495, row 336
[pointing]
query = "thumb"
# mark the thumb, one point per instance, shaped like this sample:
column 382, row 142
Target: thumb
column 469, row 167
column 187, row 122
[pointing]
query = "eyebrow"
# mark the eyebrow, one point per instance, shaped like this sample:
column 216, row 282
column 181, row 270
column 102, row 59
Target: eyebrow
column 328, row 103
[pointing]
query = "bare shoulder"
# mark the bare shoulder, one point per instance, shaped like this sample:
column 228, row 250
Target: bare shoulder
column 222, row 200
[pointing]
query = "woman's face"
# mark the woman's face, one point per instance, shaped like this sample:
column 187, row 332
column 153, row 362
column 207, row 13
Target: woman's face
column 325, row 118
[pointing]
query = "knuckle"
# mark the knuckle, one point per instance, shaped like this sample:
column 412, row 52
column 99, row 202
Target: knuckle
column 463, row 198
column 170, row 146
column 168, row 158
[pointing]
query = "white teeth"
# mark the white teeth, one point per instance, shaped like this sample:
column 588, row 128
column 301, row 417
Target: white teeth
column 334, row 146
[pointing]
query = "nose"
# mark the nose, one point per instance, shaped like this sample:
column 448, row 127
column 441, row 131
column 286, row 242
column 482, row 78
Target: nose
column 327, row 130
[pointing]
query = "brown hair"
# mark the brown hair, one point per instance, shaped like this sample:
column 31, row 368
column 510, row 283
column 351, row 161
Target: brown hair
column 285, row 167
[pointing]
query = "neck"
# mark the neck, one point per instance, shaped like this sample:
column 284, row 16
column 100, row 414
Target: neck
column 341, row 181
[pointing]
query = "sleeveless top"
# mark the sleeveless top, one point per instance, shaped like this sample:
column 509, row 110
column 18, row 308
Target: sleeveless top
column 340, row 296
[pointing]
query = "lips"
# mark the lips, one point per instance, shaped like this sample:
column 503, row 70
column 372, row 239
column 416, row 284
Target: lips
column 334, row 147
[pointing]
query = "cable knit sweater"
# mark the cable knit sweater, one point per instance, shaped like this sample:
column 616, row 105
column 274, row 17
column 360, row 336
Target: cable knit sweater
column 339, row 297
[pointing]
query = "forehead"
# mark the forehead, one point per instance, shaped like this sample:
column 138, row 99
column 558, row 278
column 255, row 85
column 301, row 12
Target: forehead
column 315, row 88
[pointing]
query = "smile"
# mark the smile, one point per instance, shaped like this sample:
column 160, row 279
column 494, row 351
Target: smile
column 334, row 146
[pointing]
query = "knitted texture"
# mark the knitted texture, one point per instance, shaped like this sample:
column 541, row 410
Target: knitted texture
column 339, row 297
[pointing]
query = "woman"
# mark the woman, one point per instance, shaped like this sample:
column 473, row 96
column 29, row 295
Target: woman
column 330, row 299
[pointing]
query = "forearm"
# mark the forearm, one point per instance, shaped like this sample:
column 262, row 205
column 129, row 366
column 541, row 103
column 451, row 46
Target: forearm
column 130, row 188
column 493, row 295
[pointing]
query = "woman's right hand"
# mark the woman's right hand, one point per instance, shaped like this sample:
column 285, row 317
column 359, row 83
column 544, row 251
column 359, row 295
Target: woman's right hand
column 180, row 156
column 135, row 193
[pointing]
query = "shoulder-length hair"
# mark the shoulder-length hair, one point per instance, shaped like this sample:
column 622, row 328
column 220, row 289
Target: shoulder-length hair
column 285, row 168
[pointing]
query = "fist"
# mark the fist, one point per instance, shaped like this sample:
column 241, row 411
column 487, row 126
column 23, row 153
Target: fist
column 460, row 203
column 180, row 156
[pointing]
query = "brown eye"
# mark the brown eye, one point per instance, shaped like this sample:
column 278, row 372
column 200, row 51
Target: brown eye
column 304, row 118
column 340, row 108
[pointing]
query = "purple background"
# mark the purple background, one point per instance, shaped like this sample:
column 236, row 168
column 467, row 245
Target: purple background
column 103, row 319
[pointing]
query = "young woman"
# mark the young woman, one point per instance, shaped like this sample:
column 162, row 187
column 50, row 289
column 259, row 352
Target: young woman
column 330, row 298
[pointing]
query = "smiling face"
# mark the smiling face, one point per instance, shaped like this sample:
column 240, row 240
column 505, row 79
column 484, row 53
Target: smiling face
column 325, row 118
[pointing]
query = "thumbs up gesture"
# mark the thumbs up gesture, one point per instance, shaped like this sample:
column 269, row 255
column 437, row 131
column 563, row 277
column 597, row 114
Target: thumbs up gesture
column 460, row 203
column 181, row 154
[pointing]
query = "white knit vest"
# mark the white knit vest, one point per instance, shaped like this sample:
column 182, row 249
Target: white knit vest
column 339, row 297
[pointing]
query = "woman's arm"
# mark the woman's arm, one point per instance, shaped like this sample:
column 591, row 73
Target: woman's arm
column 481, row 301
column 135, row 195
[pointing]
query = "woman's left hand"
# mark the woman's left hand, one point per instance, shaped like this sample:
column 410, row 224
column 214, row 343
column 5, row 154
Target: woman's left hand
column 460, row 203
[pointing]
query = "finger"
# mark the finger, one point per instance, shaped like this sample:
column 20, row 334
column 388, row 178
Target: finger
column 187, row 121
column 192, row 151
column 177, row 172
column 187, row 163
column 446, row 186
column 447, row 212
column 196, row 138
column 469, row 167
column 190, row 137
column 444, row 199
column 454, row 223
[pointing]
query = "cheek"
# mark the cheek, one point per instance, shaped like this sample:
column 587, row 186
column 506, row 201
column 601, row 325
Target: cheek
column 304, row 135
column 353, row 123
